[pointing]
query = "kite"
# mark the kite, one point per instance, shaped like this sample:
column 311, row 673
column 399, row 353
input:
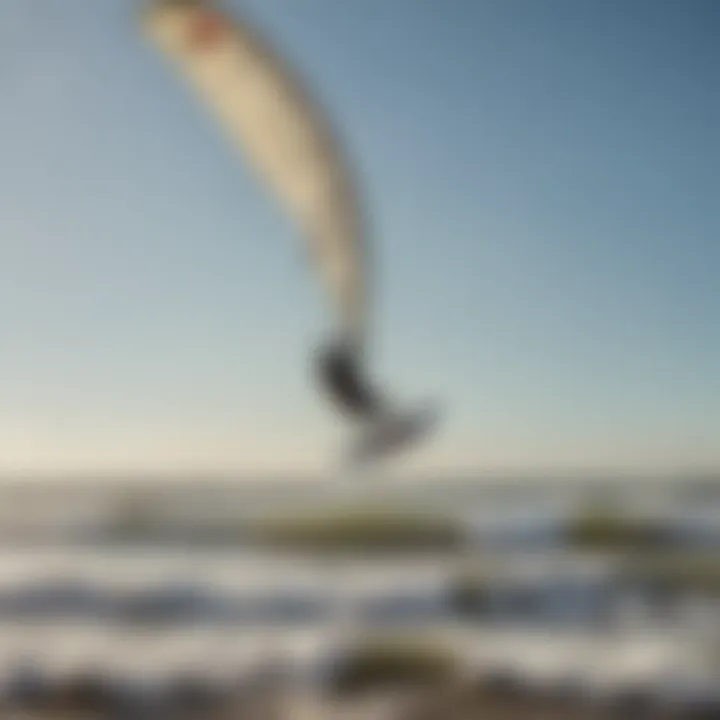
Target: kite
column 270, row 118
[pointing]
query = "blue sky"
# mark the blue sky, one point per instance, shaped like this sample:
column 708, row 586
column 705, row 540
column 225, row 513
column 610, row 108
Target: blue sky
column 544, row 177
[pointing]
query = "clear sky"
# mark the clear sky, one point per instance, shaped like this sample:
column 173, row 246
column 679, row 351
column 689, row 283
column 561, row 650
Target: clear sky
column 545, row 184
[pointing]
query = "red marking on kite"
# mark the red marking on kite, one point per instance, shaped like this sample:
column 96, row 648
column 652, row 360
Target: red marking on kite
column 206, row 31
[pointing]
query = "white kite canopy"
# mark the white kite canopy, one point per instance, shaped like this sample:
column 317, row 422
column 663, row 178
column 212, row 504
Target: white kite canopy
column 271, row 119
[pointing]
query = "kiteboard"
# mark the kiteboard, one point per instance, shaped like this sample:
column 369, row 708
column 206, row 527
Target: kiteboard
column 390, row 435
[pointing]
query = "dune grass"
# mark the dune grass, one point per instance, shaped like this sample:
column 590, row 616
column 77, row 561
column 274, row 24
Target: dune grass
column 358, row 529
column 603, row 527
column 391, row 661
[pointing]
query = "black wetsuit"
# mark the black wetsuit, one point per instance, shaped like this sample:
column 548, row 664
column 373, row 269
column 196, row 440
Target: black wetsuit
column 341, row 376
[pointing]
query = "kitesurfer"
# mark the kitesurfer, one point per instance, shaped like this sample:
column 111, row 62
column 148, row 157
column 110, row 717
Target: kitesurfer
column 342, row 378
